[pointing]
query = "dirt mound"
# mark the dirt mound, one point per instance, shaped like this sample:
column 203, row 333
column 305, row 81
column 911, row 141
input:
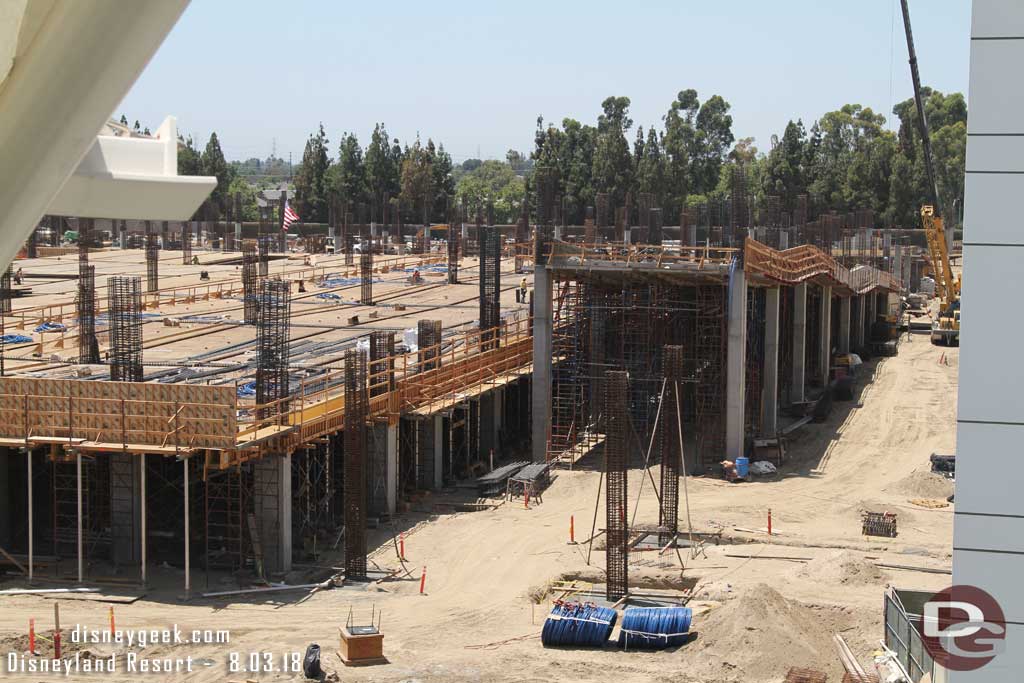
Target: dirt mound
column 758, row 635
column 843, row 567
column 921, row 484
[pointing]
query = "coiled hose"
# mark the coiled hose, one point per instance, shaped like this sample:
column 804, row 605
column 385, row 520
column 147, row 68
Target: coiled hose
column 578, row 624
column 655, row 628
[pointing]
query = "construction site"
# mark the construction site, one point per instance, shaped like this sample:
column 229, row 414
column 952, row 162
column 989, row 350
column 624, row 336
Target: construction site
column 210, row 430
column 406, row 440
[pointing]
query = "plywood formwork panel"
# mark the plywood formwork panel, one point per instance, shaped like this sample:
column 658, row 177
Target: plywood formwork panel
column 160, row 415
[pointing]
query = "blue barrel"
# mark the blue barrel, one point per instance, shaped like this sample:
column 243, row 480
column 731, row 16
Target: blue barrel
column 655, row 628
column 578, row 624
column 742, row 467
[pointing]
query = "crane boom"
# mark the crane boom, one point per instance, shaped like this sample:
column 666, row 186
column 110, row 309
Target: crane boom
column 922, row 120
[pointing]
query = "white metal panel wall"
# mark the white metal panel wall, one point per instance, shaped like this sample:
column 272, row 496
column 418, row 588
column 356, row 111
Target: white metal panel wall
column 989, row 528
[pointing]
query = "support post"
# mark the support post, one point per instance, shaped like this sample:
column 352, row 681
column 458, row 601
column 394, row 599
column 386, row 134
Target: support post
column 770, row 388
column 438, row 434
column 188, row 568
column 78, row 478
column 858, row 324
column 844, row 324
column 542, row 370
column 391, row 468
column 799, row 343
column 31, row 535
column 736, row 364
column 825, row 338
column 142, row 526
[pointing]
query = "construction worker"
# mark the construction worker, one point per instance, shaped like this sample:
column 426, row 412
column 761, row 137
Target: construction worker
column 521, row 293
column 416, row 277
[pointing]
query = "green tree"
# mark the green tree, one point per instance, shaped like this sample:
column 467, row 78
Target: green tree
column 247, row 192
column 492, row 181
column 443, row 180
column 213, row 164
column 418, row 180
column 383, row 166
column 310, row 181
column 713, row 127
column 652, row 170
column 613, row 165
column 189, row 160
column 346, row 179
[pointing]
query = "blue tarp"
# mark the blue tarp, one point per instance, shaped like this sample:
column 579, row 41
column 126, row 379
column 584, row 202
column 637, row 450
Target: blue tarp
column 51, row 327
column 15, row 339
column 247, row 390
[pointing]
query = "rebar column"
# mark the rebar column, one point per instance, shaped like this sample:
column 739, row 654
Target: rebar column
column 85, row 308
column 490, row 287
column 264, row 255
column 671, row 442
column 428, row 339
column 186, row 243
column 152, row 262
column 382, row 362
column 616, row 458
column 124, row 296
column 356, row 409
column 366, row 274
column 250, row 297
column 272, row 334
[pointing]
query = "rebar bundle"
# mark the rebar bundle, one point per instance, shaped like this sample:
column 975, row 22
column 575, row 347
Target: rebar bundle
column 616, row 459
column 356, row 410
column 428, row 339
column 152, row 263
column 272, row 336
column 671, row 441
column 250, row 297
column 490, row 287
column 366, row 274
column 124, row 296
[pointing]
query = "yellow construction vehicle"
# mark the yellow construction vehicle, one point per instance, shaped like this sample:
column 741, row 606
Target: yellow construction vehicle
column 946, row 328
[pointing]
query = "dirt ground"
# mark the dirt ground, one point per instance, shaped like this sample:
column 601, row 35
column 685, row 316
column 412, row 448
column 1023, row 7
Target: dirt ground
column 756, row 615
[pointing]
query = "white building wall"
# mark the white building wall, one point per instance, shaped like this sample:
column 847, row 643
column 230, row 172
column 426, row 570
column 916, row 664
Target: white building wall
column 989, row 529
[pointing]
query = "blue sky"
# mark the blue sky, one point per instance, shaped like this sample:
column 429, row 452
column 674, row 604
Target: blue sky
column 476, row 75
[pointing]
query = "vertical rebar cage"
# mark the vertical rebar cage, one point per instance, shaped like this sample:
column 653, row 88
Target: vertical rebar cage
column 616, row 457
column 250, row 297
column 272, row 334
column 671, row 441
column 366, row 274
column 490, row 286
column 356, row 410
column 124, row 298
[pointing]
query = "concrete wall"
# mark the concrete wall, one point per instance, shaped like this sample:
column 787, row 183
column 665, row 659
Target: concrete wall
column 989, row 523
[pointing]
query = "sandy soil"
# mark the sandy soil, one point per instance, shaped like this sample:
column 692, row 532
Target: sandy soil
column 756, row 615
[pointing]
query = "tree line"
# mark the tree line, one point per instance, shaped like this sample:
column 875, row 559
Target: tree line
column 846, row 160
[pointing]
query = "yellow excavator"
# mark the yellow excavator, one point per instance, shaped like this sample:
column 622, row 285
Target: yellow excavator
column 946, row 327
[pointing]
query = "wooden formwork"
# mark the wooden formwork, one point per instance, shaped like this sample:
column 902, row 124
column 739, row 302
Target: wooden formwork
column 117, row 416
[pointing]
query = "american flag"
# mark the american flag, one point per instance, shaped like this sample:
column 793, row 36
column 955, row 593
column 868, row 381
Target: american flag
column 289, row 216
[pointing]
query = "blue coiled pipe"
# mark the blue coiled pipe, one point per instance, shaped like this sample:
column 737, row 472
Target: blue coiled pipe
column 655, row 628
column 578, row 624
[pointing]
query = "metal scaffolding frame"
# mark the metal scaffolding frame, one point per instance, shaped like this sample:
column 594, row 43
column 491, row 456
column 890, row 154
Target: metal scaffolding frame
column 616, row 460
column 356, row 411
column 124, row 298
column 272, row 350
column 228, row 502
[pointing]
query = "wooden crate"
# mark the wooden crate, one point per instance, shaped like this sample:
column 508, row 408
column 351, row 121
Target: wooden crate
column 361, row 649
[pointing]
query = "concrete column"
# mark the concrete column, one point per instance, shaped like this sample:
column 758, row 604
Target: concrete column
column 826, row 334
column 844, row 324
column 5, row 505
column 391, row 468
column 541, row 384
column 770, row 389
column 691, row 235
column 871, row 300
column 273, row 503
column 125, row 508
column 736, row 364
column 438, row 451
column 799, row 343
column 783, row 239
